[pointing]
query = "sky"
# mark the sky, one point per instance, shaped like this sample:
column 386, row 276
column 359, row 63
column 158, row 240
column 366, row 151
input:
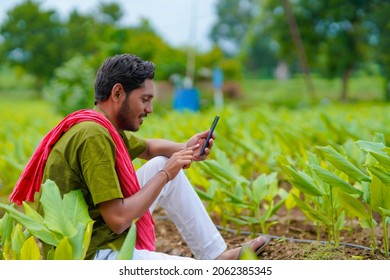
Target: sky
column 179, row 22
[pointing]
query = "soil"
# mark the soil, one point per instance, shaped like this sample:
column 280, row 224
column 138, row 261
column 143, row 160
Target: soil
column 293, row 239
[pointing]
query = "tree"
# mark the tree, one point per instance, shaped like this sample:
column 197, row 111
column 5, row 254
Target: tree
column 234, row 18
column 381, row 40
column 334, row 34
column 81, row 35
column 239, row 32
column 34, row 40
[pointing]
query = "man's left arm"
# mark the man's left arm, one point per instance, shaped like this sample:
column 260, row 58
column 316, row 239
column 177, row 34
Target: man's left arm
column 162, row 147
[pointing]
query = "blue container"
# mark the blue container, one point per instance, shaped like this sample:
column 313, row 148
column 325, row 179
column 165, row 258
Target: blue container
column 186, row 99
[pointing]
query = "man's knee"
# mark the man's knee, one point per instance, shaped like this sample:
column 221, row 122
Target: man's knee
column 159, row 161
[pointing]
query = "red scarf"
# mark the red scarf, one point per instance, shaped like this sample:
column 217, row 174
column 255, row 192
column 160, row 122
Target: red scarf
column 30, row 180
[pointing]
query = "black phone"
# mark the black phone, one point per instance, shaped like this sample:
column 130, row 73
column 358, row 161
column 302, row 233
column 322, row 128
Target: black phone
column 206, row 143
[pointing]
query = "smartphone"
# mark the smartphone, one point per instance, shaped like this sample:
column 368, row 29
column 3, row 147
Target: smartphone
column 206, row 143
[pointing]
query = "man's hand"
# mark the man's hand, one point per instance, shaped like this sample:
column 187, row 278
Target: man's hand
column 180, row 160
column 200, row 138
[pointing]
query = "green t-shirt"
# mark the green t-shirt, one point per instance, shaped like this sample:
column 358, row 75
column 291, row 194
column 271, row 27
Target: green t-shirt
column 84, row 158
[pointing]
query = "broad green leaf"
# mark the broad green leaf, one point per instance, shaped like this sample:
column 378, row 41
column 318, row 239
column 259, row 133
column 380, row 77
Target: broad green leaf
column 259, row 188
column 382, row 175
column 379, row 137
column 75, row 209
column 290, row 201
column 87, row 238
column 237, row 221
column 196, row 177
column 36, row 228
column 340, row 223
column 236, row 199
column 7, row 251
column 383, row 160
column 203, row 195
column 222, row 173
column 343, row 164
column 6, row 228
column 367, row 223
column 17, row 238
column 304, row 182
column 335, row 181
column 380, row 194
column 384, row 212
column 376, row 150
column 248, row 254
column 311, row 213
column 353, row 206
column 33, row 214
column 76, row 241
column 277, row 206
column 127, row 250
column 55, row 218
column 64, row 250
column 371, row 147
column 250, row 220
column 30, row 250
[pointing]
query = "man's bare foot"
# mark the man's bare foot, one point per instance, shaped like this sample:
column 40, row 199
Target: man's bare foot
column 233, row 254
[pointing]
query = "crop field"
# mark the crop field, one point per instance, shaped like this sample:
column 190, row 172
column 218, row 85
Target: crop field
column 326, row 165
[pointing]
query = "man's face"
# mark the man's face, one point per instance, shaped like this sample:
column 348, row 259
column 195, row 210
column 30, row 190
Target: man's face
column 136, row 106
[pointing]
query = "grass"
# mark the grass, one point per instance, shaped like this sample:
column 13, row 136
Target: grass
column 293, row 92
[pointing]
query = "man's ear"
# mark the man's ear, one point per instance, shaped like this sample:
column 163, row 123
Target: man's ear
column 116, row 92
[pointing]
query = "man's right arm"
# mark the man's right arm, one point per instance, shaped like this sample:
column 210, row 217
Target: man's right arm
column 119, row 213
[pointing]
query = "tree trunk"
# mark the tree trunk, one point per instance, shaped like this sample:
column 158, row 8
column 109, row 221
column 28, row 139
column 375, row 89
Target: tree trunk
column 386, row 86
column 346, row 76
column 387, row 89
column 294, row 30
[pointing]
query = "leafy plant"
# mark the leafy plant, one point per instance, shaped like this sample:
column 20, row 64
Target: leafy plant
column 66, row 225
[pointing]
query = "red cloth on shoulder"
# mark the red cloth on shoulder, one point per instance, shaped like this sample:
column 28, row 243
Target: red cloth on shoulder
column 30, row 180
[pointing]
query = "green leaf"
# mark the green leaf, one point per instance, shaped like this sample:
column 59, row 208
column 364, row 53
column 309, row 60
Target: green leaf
column 259, row 188
column 87, row 238
column 36, row 228
column 340, row 221
column 55, row 218
column 311, row 213
column 277, row 206
column 353, row 206
column 203, row 195
column 235, row 199
column 30, row 250
column 380, row 194
column 6, row 228
column 75, row 208
column 335, row 181
column 250, row 220
column 371, row 147
column 376, row 150
column 17, row 238
column 384, row 212
column 343, row 164
column 303, row 182
column 237, row 221
column 222, row 173
column 64, row 250
column 382, row 175
column 126, row 252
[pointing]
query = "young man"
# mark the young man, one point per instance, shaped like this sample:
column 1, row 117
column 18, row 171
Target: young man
column 92, row 150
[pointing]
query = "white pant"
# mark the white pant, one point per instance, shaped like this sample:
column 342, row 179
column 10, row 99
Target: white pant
column 187, row 212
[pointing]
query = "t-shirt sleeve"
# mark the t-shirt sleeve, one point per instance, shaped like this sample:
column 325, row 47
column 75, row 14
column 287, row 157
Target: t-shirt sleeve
column 134, row 144
column 97, row 162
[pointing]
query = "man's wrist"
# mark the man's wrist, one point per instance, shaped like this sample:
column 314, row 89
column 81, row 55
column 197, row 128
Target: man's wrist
column 167, row 174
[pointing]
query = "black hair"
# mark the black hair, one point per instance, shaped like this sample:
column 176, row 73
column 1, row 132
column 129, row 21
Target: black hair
column 126, row 69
